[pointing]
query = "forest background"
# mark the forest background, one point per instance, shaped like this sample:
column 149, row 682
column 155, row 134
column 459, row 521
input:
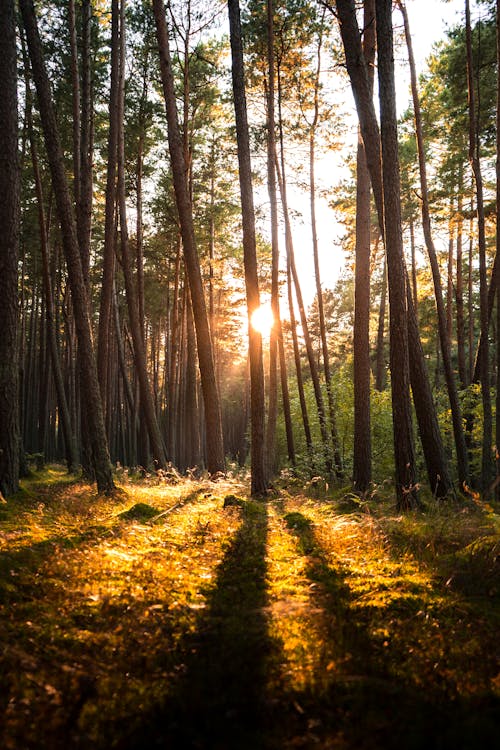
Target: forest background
column 130, row 250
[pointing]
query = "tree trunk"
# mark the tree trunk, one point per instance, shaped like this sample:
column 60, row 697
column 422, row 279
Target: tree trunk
column 108, row 266
column 64, row 413
column 358, row 74
column 444, row 333
column 272, row 413
column 362, row 473
column 257, row 401
column 497, row 174
column 9, row 247
column 93, row 404
column 474, row 158
column 399, row 358
column 136, row 325
column 459, row 290
column 215, row 445
column 380, row 351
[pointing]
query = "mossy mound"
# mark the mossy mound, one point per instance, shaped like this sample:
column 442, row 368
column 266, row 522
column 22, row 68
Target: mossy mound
column 139, row 512
column 233, row 501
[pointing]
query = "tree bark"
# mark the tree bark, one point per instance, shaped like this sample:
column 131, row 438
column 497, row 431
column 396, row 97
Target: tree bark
column 362, row 474
column 272, row 413
column 136, row 325
column 399, row 358
column 474, row 158
column 214, row 443
column 358, row 74
column 443, row 325
column 257, row 400
column 90, row 382
column 9, row 248
column 108, row 270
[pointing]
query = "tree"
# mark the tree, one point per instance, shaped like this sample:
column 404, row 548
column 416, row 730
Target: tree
column 100, row 451
column 257, row 402
column 9, row 242
column 444, row 334
column 399, row 357
column 215, row 446
column 362, row 439
column 474, row 158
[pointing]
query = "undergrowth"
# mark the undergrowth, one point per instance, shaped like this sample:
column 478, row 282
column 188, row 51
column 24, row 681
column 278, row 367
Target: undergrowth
column 188, row 615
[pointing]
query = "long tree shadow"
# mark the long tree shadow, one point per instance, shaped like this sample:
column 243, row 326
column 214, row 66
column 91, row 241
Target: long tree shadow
column 372, row 702
column 219, row 699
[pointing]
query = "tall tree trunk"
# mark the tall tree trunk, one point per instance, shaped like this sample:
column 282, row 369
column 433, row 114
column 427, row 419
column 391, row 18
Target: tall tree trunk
column 257, row 400
column 215, row 444
column 497, row 170
column 108, row 266
column 64, row 413
column 380, row 351
column 317, row 275
column 474, row 158
column 9, row 247
column 272, row 413
column 358, row 74
column 459, row 289
column 136, row 325
column 362, row 473
column 93, row 404
column 399, row 358
column 444, row 333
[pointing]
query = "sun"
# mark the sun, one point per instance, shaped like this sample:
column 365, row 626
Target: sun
column 262, row 320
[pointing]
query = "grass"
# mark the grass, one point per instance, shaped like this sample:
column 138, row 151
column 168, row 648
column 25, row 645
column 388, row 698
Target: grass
column 173, row 616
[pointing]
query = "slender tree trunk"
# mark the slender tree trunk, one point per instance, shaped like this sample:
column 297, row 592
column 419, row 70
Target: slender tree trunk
column 298, row 364
column 399, row 358
column 64, row 413
column 414, row 284
column 362, row 473
column 443, row 325
column 459, row 290
column 108, row 271
column 474, row 158
column 302, row 311
column 93, row 404
column 272, row 413
column 380, row 352
column 497, row 170
column 358, row 74
column 75, row 88
column 257, row 400
column 136, row 325
column 215, row 444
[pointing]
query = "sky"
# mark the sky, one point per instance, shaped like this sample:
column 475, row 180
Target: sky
column 428, row 21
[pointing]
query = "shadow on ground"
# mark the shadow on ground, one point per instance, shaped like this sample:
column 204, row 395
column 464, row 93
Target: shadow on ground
column 372, row 701
column 219, row 696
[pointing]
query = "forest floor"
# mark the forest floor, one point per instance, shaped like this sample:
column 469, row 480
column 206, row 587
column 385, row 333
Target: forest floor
column 189, row 616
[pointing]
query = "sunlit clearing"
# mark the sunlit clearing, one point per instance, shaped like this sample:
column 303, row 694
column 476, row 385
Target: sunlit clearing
column 262, row 320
